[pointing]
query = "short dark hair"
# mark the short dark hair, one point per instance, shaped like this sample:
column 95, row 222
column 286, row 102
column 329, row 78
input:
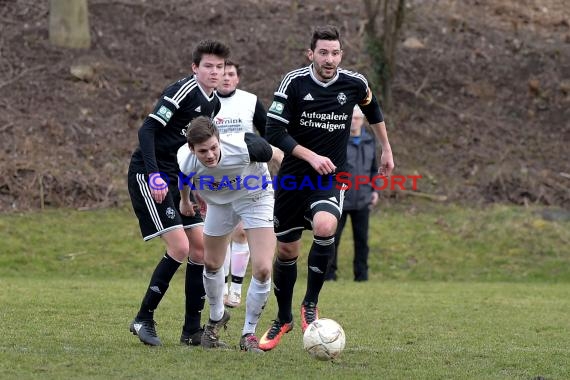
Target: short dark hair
column 229, row 62
column 214, row 47
column 327, row 32
column 200, row 130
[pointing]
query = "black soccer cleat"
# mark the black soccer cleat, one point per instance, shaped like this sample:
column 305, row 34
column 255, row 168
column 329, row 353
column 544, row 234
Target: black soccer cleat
column 192, row 339
column 145, row 329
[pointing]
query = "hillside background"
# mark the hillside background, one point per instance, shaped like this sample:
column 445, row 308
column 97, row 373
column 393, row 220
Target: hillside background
column 482, row 102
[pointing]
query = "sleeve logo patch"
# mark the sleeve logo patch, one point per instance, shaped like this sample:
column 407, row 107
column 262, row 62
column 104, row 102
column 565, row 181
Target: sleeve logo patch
column 277, row 107
column 164, row 113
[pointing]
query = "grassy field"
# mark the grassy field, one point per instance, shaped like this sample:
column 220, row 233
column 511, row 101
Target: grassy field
column 454, row 293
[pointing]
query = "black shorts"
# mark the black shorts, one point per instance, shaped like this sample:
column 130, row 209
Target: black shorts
column 156, row 219
column 295, row 206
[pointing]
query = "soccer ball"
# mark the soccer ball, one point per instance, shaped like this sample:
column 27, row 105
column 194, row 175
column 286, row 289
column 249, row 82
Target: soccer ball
column 324, row 339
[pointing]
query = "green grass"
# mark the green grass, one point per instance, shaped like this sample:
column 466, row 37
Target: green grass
column 454, row 293
column 426, row 242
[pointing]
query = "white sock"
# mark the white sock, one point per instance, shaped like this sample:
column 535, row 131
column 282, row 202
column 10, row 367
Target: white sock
column 214, row 287
column 240, row 259
column 227, row 261
column 240, row 246
column 257, row 295
column 235, row 288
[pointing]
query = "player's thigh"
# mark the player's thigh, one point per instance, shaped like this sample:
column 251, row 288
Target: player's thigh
column 195, row 235
column 255, row 210
column 290, row 212
column 329, row 200
column 176, row 244
column 220, row 220
column 256, row 213
column 239, row 234
column 155, row 219
column 326, row 210
column 215, row 250
column 262, row 244
column 262, row 248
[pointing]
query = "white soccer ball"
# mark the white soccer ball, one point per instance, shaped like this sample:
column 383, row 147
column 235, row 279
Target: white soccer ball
column 324, row 339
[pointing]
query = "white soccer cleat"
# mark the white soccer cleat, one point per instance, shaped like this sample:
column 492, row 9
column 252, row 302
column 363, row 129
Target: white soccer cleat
column 233, row 300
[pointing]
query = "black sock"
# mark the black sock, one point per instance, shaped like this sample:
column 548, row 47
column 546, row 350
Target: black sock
column 321, row 251
column 158, row 286
column 237, row 279
column 195, row 296
column 284, row 277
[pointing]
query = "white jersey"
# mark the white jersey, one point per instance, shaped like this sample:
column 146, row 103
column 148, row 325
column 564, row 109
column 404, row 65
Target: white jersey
column 234, row 177
column 236, row 114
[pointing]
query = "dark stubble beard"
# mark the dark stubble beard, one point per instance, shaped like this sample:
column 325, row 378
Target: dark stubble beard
column 321, row 72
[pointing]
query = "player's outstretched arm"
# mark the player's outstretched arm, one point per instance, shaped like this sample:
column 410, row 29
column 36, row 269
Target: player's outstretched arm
column 386, row 160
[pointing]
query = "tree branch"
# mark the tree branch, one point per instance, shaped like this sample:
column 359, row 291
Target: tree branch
column 21, row 74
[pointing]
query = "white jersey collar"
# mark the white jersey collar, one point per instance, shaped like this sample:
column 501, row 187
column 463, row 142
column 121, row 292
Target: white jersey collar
column 320, row 83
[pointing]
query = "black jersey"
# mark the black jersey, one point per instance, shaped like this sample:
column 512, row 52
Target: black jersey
column 317, row 115
column 164, row 129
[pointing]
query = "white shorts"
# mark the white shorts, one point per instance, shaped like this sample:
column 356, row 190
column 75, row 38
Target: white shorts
column 255, row 211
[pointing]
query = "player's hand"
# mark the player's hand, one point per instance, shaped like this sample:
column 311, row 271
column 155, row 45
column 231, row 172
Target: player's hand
column 323, row 165
column 277, row 156
column 202, row 205
column 187, row 208
column 158, row 188
column 386, row 163
column 373, row 200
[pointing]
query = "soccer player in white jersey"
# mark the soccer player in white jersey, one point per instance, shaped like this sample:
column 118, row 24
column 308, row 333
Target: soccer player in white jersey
column 226, row 172
column 241, row 111
column 309, row 120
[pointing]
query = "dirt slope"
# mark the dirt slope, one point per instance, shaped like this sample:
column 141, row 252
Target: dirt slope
column 482, row 110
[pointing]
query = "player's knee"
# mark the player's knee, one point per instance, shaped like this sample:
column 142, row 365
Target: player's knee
column 325, row 228
column 178, row 250
column 214, row 261
column 288, row 251
column 262, row 274
column 324, row 223
column 239, row 235
column 196, row 255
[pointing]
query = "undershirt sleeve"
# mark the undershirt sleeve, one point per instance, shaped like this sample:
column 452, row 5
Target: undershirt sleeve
column 146, row 135
column 372, row 111
column 259, row 149
column 260, row 118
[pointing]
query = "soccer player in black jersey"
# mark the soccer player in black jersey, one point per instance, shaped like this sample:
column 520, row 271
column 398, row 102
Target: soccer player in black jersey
column 153, row 188
column 309, row 120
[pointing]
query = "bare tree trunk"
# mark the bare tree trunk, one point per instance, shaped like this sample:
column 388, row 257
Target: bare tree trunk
column 381, row 45
column 69, row 24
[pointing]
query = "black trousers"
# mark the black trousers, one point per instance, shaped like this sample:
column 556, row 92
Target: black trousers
column 359, row 220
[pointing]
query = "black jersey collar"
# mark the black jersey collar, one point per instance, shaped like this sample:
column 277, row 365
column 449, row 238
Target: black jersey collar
column 226, row 95
column 209, row 97
column 323, row 84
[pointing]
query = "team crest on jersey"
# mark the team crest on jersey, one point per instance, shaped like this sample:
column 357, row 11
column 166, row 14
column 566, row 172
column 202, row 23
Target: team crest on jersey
column 277, row 107
column 164, row 113
column 170, row 213
column 341, row 98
